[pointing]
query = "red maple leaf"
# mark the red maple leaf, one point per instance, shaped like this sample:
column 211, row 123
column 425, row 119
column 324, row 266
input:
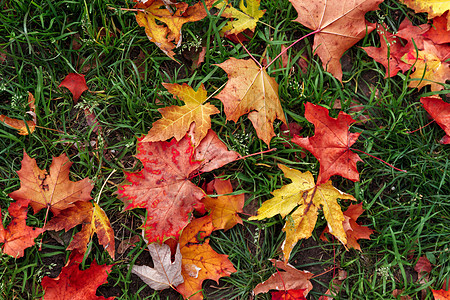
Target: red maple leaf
column 331, row 143
column 76, row 85
column 18, row 236
column 163, row 186
column 440, row 112
column 75, row 284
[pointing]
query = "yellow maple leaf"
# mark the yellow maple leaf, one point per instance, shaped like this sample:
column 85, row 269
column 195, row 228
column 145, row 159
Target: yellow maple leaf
column 303, row 192
column 244, row 19
column 251, row 90
column 434, row 8
column 176, row 120
column 430, row 69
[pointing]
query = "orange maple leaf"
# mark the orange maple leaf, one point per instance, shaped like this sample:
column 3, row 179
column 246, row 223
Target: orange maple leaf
column 431, row 69
column 52, row 189
column 353, row 230
column 331, row 143
column 164, row 36
column 18, row 236
column 341, row 24
column 251, row 90
column 176, row 120
column 74, row 284
column 199, row 260
column 23, row 127
column 224, row 209
column 94, row 220
column 163, row 186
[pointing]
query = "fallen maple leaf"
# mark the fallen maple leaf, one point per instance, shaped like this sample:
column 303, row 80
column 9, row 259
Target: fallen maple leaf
column 176, row 120
column 442, row 294
column 163, row 186
column 224, row 209
column 23, row 127
column 287, row 278
column 409, row 32
column 94, row 220
column 53, row 189
column 439, row 33
column 150, row 13
column 340, row 25
column 289, row 295
column 247, row 18
column 76, row 85
column 165, row 273
column 432, row 7
column 18, row 236
column 74, row 284
column 353, row 230
column 304, row 198
column 431, row 69
column 389, row 53
column 440, row 112
column 331, row 143
column 199, row 260
column 251, row 90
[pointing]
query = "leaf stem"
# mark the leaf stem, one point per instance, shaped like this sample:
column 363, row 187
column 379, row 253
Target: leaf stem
column 286, row 49
column 253, row 154
column 379, row 160
column 420, row 127
column 246, row 50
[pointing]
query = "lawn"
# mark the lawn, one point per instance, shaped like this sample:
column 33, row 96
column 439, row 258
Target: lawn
column 42, row 41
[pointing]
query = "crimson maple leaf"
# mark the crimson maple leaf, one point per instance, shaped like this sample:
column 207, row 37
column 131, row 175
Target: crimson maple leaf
column 331, row 143
column 440, row 112
column 76, row 85
column 75, row 284
column 18, row 236
column 163, row 186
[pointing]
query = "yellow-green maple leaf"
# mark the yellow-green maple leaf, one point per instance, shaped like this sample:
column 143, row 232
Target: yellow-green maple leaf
column 308, row 198
column 244, row 19
column 176, row 120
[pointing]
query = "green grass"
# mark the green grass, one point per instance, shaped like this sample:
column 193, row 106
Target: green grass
column 410, row 212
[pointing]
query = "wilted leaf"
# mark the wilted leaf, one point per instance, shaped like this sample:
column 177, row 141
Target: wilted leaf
column 52, row 189
column 331, row 143
column 94, row 220
column 341, row 23
column 439, row 33
column 289, row 295
column 74, row 284
column 164, row 36
column 18, row 236
column 306, row 198
column 24, row 127
column 176, row 120
column 76, row 85
column 165, row 273
column 200, row 261
column 251, row 90
column 287, row 278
